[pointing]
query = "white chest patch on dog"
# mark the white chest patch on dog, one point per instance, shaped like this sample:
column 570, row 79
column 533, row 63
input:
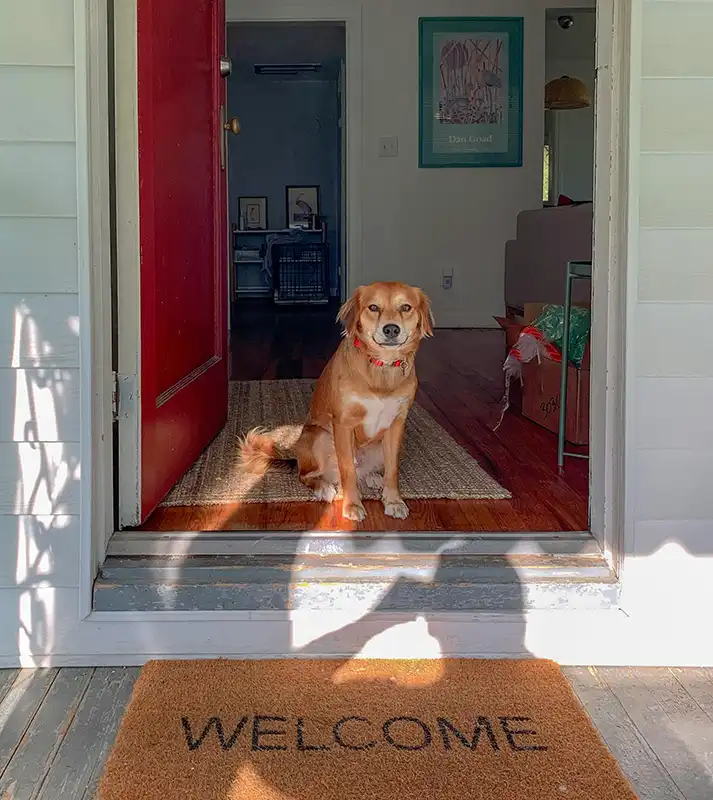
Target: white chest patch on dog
column 380, row 412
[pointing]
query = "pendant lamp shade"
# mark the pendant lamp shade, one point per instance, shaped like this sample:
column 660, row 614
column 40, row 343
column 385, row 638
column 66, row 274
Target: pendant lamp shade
column 566, row 93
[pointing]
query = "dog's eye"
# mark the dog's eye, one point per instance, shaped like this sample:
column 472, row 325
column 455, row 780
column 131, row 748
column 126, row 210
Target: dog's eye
column 405, row 308
column 373, row 308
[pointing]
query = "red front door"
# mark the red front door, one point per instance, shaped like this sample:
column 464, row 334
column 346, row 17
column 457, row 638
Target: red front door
column 183, row 236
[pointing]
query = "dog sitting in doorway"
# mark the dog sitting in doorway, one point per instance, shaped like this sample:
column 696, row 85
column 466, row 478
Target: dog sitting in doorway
column 356, row 419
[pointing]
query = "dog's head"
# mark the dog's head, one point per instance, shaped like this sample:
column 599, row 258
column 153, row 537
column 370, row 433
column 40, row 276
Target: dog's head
column 390, row 316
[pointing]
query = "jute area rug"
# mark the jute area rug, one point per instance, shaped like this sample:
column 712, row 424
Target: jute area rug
column 358, row 730
column 433, row 464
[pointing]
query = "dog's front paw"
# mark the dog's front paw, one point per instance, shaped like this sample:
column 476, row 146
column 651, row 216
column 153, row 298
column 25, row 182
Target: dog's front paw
column 354, row 511
column 325, row 492
column 395, row 507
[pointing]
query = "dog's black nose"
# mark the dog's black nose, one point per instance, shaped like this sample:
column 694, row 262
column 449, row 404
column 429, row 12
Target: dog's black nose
column 391, row 331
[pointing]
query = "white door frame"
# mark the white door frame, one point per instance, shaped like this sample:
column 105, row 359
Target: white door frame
column 610, row 263
column 79, row 636
column 610, row 204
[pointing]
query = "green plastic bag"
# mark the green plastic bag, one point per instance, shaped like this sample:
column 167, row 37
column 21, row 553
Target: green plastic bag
column 550, row 323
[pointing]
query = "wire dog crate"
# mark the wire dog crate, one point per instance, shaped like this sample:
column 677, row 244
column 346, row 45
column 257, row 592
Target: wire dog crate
column 301, row 273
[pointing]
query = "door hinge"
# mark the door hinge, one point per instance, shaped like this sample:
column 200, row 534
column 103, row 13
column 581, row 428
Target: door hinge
column 123, row 395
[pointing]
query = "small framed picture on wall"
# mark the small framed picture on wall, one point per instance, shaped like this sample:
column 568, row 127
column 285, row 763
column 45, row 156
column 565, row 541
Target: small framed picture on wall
column 302, row 206
column 252, row 213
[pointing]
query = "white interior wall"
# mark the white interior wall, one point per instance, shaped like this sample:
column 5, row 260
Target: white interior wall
column 418, row 223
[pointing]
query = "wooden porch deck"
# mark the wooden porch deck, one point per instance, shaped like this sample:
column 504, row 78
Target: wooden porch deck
column 57, row 726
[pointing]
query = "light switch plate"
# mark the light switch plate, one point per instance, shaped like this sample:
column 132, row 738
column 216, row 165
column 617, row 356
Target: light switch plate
column 388, row 147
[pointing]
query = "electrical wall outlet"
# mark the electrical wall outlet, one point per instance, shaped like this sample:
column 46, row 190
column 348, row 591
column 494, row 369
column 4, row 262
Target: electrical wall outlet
column 388, row 147
column 447, row 279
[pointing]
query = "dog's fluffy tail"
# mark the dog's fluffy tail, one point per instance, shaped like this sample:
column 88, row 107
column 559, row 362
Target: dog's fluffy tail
column 260, row 453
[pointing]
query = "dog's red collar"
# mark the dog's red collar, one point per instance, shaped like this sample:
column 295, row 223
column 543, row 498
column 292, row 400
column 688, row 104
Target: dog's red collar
column 377, row 362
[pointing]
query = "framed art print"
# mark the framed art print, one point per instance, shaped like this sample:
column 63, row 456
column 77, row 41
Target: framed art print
column 302, row 205
column 470, row 91
column 253, row 213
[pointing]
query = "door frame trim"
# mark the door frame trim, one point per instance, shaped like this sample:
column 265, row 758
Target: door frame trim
column 614, row 26
column 128, row 258
column 76, row 636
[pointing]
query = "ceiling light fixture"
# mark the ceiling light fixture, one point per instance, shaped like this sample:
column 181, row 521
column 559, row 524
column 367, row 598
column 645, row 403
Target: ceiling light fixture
column 285, row 69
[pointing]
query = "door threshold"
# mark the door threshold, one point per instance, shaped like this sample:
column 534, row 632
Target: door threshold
column 225, row 543
column 365, row 573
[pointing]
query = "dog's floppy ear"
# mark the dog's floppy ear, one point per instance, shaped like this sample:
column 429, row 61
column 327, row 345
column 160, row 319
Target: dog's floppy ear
column 425, row 315
column 348, row 314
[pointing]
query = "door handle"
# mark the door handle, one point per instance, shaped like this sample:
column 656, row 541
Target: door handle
column 226, row 66
column 232, row 126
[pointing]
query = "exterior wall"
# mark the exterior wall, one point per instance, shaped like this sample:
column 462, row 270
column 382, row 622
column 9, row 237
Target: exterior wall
column 670, row 345
column 39, row 323
column 669, row 375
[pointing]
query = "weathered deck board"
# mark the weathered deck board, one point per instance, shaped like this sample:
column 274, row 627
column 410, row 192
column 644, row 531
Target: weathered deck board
column 677, row 730
column 19, row 707
column 88, row 740
column 699, row 685
column 56, row 728
column 36, row 750
column 628, row 745
column 7, row 678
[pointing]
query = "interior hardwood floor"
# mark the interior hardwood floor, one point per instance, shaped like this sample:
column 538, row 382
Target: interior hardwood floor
column 460, row 377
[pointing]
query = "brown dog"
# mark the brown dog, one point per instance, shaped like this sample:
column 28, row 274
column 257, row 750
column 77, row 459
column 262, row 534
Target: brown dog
column 356, row 420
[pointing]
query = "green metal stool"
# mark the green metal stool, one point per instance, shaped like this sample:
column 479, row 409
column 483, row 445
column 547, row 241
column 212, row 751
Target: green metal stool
column 574, row 269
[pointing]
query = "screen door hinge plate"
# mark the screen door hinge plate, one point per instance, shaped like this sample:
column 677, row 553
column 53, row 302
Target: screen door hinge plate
column 123, row 395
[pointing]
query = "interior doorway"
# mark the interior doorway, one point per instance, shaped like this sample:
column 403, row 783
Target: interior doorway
column 287, row 179
column 273, row 337
column 286, row 196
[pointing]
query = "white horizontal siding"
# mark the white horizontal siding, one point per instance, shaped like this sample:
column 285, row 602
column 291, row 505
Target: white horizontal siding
column 39, row 478
column 38, row 179
column 676, row 265
column 37, row 32
column 676, row 190
column 39, row 254
column 677, row 39
column 39, row 323
column 39, row 330
column 675, row 115
column 675, row 401
column 673, row 484
column 39, row 405
column 46, row 97
column 696, row 533
column 674, row 340
column 671, row 385
column 37, row 621
column 37, row 550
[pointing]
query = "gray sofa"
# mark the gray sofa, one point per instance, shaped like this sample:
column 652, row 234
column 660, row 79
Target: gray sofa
column 546, row 238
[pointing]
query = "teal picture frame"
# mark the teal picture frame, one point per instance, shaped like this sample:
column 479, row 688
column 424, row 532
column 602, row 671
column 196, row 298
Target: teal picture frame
column 470, row 91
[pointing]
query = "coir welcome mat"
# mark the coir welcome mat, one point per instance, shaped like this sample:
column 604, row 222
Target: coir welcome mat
column 358, row 730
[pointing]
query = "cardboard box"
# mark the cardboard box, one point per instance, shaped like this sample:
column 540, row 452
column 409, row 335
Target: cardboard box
column 512, row 327
column 541, row 391
column 541, row 398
